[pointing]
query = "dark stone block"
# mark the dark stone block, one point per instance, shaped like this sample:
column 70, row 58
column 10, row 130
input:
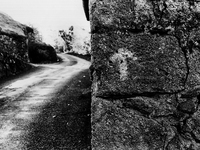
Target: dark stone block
column 137, row 63
column 117, row 128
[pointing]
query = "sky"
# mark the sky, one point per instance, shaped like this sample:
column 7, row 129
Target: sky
column 48, row 16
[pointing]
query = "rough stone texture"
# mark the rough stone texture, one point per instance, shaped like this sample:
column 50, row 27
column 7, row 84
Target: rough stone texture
column 13, row 46
column 145, row 72
column 13, row 56
column 140, row 63
column 123, row 128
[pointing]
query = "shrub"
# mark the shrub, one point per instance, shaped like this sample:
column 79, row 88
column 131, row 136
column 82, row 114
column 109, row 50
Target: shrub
column 41, row 53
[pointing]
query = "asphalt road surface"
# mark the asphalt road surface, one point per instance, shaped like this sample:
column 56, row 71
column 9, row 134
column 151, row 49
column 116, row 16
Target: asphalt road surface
column 47, row 109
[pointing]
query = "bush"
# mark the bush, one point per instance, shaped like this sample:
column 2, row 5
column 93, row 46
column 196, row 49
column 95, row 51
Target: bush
column 41, row 53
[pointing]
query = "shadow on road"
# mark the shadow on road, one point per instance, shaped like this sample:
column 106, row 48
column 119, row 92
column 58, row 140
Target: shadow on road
column 65, row 122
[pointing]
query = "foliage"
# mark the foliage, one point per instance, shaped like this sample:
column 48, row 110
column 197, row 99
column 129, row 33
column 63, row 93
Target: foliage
column 35, row 36
column 11, row 65
column 38, row 51
column 76, row 41
column 13, row 55
column 87, row 47
column 41, row 53
column 68, row 37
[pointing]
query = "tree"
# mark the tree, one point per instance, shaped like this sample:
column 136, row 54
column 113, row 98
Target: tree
column 77, row 41
column 35, row 36
column 68, row 37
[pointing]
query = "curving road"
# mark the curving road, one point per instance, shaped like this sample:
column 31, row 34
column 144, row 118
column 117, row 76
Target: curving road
column 25, row 99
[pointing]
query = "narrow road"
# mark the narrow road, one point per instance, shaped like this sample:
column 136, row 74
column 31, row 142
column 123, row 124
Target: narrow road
column 48, row 108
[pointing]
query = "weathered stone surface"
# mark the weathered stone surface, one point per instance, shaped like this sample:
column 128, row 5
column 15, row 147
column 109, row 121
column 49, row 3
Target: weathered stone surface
column 118, row 128
column 13, row 46
column 145, row 72
column 145, row 123
column 136, row 64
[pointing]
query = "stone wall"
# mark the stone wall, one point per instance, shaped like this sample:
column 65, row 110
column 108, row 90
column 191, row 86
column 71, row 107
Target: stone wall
column 145, row 72
column 13, row 55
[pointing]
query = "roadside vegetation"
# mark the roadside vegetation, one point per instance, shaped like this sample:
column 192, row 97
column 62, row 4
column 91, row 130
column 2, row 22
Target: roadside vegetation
column 76, row 42
column 38, row 51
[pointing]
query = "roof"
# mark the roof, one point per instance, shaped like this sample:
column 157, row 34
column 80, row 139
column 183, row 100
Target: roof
column 11, row 27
